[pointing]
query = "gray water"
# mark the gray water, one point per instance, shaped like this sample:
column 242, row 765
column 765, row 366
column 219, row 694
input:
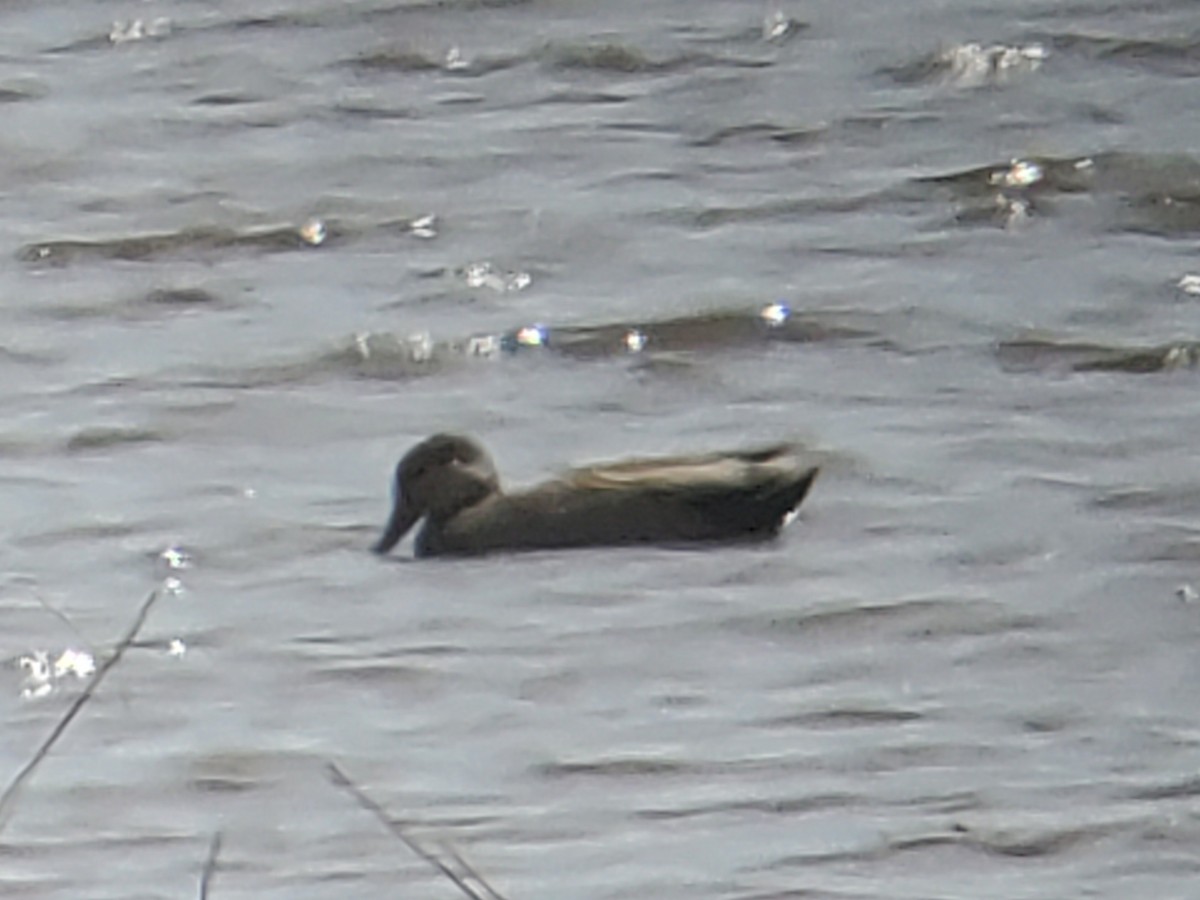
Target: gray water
column 967, row 669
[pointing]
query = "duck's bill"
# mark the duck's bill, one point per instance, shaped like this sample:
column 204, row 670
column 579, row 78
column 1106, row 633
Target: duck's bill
column 403, row 518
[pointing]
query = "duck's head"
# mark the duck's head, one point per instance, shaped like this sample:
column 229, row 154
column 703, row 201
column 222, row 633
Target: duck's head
column 438, row 478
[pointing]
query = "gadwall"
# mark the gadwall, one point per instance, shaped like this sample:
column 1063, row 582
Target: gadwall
column 451, row 482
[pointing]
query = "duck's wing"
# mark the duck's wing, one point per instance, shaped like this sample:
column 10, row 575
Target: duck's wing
column 714, row 471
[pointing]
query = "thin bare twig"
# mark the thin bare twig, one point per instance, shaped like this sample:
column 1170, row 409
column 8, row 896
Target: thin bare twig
column 473, row 872
column 210, row 865
column 28, row 769
column 340, row 779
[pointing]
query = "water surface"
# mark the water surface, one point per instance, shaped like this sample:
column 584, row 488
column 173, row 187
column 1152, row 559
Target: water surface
column 945, row 245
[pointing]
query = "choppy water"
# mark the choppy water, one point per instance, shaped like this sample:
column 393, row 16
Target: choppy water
column 250, row 257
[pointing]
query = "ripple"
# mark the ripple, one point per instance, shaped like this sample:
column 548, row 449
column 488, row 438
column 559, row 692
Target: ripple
column 185, row 242
column 390, row 357
column 233, row 772
column 203, row 241
column 970, row 65
column 1144, row 193
column 861, row 717
column 757, row 131
column 1174, row 55
column 1177, row 789
column 921, row 617
column 21, row 91
column 395, row 59
column 625, row 767
column 625, row 60
column 153, row 304
column 91, row 440
column 1037, row 352
column 1027, row 841
column 1179, row 500
column 774, row 806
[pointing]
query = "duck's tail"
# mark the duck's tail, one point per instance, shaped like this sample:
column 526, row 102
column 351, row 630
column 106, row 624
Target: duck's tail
column 775, row 499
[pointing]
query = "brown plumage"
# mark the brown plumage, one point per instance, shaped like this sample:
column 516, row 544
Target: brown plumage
column 449, row 481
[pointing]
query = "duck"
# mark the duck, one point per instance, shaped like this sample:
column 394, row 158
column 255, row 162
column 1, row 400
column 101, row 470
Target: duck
column 450, row 482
